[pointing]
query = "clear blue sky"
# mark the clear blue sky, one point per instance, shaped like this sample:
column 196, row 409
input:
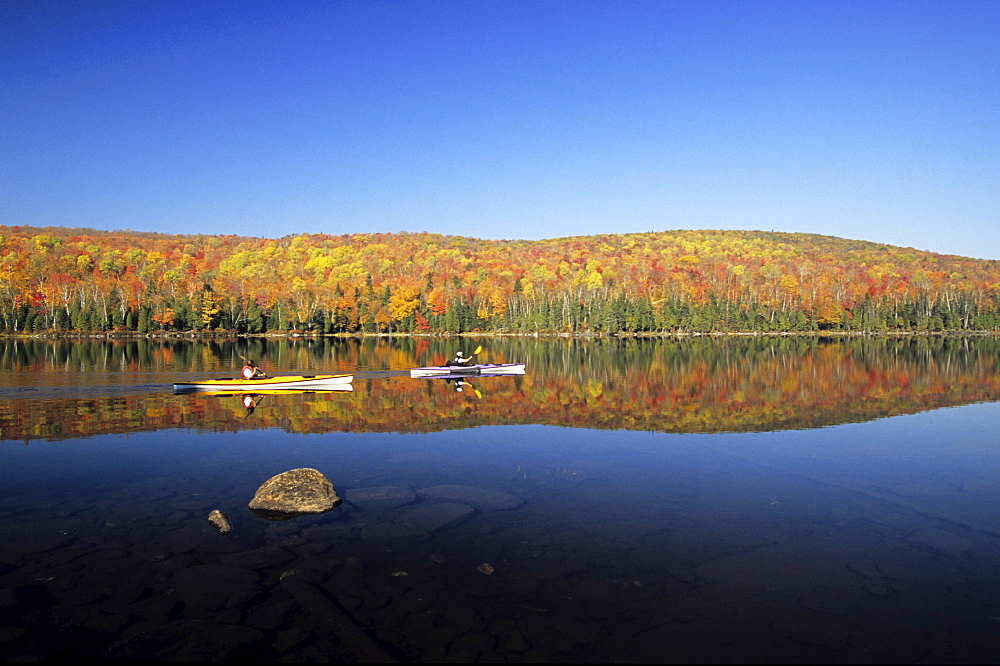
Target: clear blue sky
column 505, row 119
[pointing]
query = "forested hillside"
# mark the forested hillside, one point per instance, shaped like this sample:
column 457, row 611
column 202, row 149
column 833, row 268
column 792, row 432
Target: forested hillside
column 64, row 280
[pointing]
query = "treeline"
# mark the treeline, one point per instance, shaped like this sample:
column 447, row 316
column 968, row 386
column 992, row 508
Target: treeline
column 59, row 280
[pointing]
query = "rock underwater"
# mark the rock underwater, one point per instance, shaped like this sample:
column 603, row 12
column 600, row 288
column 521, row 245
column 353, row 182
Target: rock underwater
column 293, row 493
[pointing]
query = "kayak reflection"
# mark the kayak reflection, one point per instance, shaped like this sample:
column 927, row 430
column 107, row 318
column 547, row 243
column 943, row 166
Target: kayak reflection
column 250, row 402
column 462, row 383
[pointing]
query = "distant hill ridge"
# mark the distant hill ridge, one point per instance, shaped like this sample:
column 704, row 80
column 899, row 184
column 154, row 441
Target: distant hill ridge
column 140, row 238
column 71, row 279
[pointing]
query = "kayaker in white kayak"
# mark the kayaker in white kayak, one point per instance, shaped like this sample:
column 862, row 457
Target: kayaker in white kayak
column 459, row 359
column 251, row 371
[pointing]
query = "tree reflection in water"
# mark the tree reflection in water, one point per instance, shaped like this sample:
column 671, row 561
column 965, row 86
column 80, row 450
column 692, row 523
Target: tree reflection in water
column 691, row 385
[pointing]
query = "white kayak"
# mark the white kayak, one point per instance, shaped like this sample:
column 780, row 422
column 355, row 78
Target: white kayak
column 310, row 382
column 469, row 370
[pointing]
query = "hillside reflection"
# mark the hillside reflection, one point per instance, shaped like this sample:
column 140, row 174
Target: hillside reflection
column 60, row 389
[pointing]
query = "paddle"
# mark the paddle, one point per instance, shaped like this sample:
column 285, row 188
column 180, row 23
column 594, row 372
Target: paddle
column 478, row 394
column 463, row 382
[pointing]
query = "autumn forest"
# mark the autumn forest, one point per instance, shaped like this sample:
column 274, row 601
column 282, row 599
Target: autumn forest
column 63, row 281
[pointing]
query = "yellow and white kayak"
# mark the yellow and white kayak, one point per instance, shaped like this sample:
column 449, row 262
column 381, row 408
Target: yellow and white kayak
column 329, row 388
column 307, row 382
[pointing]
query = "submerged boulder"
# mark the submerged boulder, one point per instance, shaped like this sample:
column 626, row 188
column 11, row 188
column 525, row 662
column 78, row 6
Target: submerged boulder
column 381, row 497
column 483, row 499
column 295, row 492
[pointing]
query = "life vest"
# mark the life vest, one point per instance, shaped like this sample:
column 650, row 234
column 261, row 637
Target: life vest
column 248, row 372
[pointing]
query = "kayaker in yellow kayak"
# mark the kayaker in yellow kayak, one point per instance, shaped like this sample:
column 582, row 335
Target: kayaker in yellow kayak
column 251, row 371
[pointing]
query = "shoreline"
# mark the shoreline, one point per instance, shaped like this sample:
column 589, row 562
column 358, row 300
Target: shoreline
column 296, row 335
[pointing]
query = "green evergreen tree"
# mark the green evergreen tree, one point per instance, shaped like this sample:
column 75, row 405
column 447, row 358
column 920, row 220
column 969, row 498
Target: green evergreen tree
column 144, row 323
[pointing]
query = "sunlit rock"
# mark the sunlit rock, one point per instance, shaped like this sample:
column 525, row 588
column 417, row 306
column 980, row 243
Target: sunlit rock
column 295, row 492
column 219, row 521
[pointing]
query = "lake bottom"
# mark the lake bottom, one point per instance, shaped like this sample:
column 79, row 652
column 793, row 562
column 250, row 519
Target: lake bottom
column 498, row 544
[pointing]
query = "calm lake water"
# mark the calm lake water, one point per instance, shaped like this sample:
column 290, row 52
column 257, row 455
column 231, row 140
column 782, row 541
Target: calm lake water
column 733, row 500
